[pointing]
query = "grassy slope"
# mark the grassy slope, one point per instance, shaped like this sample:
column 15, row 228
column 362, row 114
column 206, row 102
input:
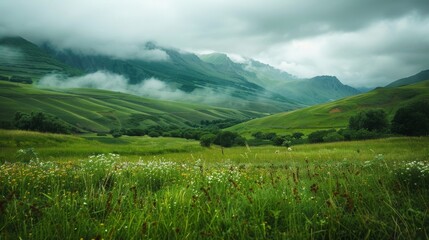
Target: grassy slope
column 336, row 114
column 99, row 110
column 22, row 58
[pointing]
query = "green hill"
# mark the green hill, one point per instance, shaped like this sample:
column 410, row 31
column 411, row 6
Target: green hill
column 99, row 111
column 19, row 57
column 336, row 114
column 419, row 77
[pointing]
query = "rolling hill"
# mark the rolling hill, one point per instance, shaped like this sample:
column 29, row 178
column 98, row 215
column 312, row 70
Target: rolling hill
column 99, row 110
column 336, row 114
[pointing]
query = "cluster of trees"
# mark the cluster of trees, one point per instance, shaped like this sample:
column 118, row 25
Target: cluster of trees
column 279, row 140
column 41, row 122
column 412, row 120
column 224, row 139
column 207, row 136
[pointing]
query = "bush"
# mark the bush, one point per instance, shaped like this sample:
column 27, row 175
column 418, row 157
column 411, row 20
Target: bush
column 317, row 137
column 371, row 120
column 116, row 133
column 225, row 139
column 207, row 139
column 361, row 134
column 297, row 135
column 333, row 137
column 240, row 141
column 154, row 134
column 412, row 120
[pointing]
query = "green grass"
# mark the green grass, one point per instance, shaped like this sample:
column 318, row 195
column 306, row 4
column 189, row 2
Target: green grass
column 99, row 111
column 348, row 190
column 336, row 114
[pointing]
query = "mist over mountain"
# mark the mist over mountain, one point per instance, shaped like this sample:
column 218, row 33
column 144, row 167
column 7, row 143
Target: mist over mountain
column 222, row 79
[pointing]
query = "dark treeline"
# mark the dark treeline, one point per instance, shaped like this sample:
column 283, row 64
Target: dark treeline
column 41, row 122
column 209, row 132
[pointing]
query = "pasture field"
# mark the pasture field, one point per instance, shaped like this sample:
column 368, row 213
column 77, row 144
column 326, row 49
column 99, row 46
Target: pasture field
column 89, row 187
column 336, row 114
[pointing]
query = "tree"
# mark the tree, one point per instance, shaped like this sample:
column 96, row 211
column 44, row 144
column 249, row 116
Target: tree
column 297, row 135
column 207, row 139
column 333, row 137
column 317, row 136
column 371, row 120
column 412, row 120
column 41, row 122
column 225, row 139
column 116, row 133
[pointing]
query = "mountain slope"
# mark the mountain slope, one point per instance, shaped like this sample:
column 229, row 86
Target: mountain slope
column 421, row 76
column 19, row 57
column 318, row 90
column 187, row 72
column 306, row 91
column 99, row 111
column 336, row 114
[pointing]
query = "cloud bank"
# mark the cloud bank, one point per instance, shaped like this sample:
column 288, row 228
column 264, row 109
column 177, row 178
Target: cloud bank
column 152, row 87
column 356, row 40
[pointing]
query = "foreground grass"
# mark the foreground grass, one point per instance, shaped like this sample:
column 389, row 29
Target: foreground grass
column 371, row 189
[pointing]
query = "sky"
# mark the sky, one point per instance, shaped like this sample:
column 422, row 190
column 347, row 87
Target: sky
column 362, row 42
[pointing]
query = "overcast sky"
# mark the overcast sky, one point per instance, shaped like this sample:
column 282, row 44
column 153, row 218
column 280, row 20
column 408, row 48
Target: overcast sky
column 362, row 42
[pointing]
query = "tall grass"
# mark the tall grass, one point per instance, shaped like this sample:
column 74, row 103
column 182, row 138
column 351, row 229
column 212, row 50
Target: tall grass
column 353, row 190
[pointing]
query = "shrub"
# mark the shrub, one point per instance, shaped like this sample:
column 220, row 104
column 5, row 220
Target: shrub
column 116, row 133
column 317, row 137
column 297, row 135
column 154, row 134
column 412, row 120
column 333, row 137
column 371, row 120
column 207, row 139
column 225, row 139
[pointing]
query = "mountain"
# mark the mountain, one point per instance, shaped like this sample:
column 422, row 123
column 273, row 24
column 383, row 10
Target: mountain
column 312, row 91
column 421, row 76
column 317, row 90
column 337, row 113
column 19, row 57
column 99, row 110
column 248, row 85
column 186, row 72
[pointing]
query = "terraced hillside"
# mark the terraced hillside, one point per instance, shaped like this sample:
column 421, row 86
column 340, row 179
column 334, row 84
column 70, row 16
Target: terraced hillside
column 336, row 114
column 99, row 111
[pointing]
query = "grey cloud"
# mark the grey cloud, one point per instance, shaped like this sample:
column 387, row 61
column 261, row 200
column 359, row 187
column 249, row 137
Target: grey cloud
column 261, row 29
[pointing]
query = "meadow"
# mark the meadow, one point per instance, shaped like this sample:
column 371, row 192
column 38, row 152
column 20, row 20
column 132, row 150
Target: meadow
column 89, row 187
